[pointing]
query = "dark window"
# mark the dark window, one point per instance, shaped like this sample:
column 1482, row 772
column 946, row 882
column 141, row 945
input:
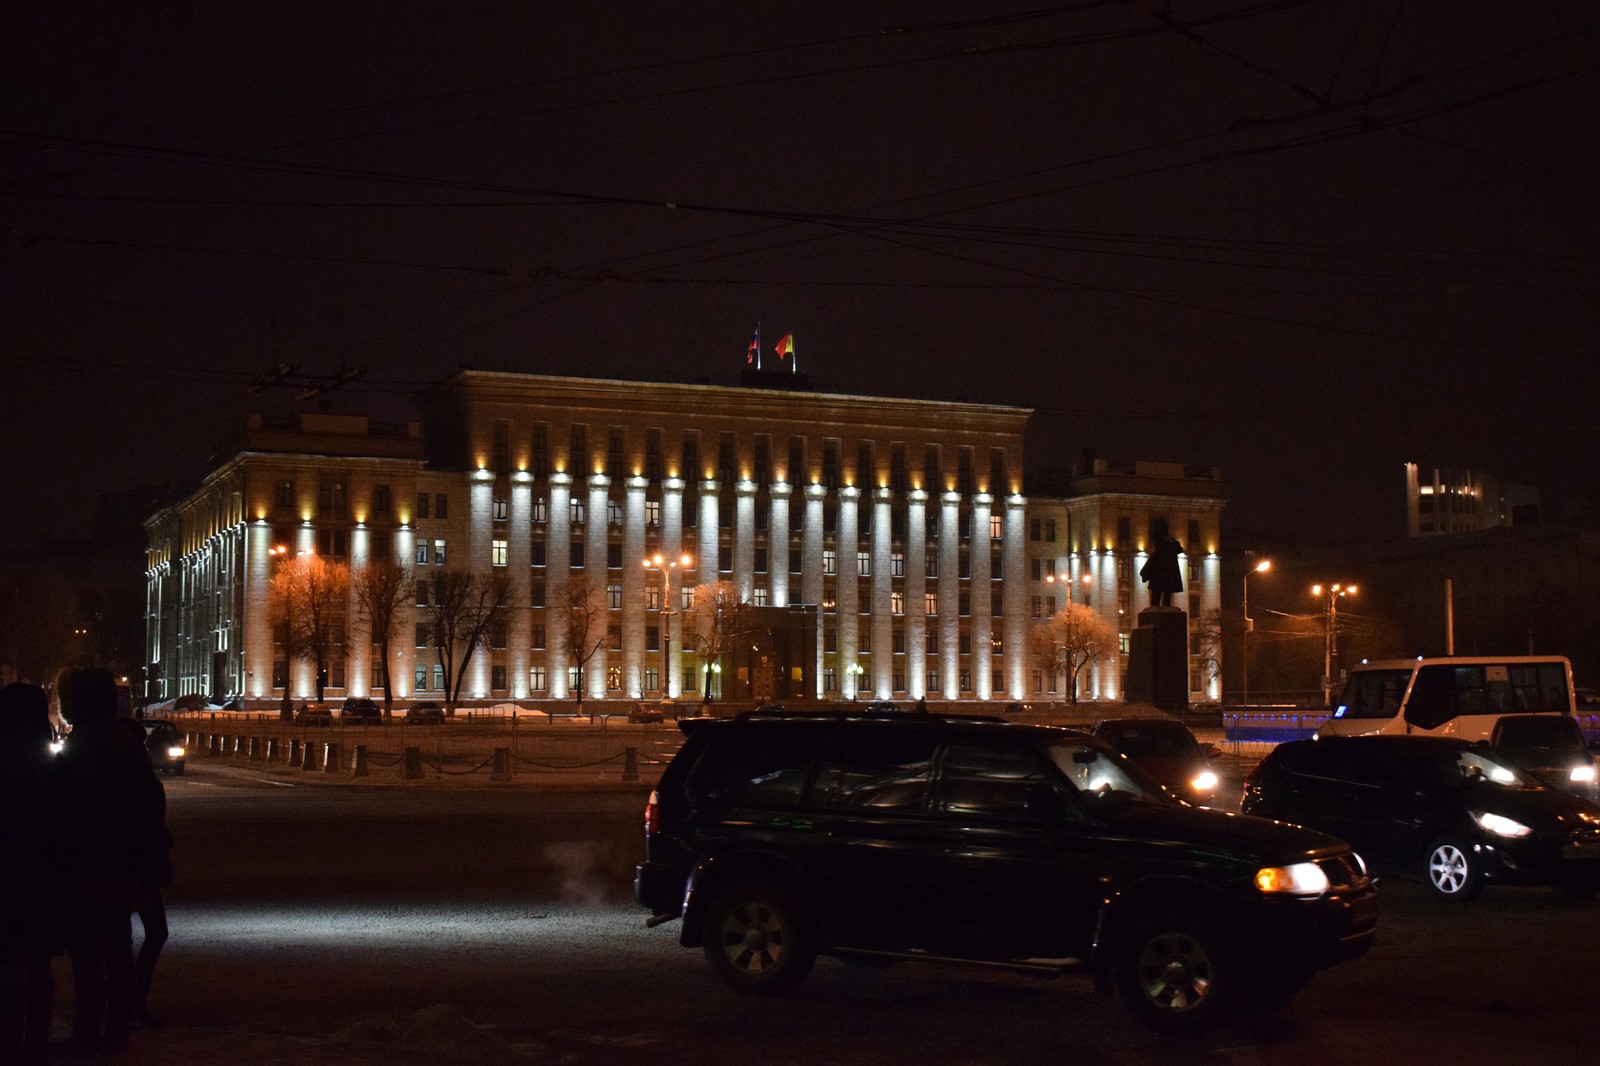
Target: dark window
column 794, row 560
column 616, row 447
column 285, row 497
column 997, row 471
column 797, row 461
column 866, row 471
column 758, row 767
column 380, row 499
column 996, row 781
column 691, row 459
column 763, row 470
column 875, row 770
column 500, row 461
column 1194, row 545
column 654, row 464
column 441, row 505
column 727, row 463
column 578, row 451
column 614, row 556
column 932, row 474
column 1125, row 533
column 830, row 464
column 422, row 505
column 539, row 456
column 898, row 478
column 575, row 559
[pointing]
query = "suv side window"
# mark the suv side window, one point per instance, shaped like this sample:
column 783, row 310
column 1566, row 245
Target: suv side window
column 993, row 780
column 764, row 767
column 870, row 768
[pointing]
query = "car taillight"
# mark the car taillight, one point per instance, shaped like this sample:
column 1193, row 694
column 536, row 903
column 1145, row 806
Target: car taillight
column 652, row 813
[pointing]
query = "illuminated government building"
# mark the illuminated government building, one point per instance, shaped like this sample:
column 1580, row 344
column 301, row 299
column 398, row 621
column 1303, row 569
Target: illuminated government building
column 901, row 524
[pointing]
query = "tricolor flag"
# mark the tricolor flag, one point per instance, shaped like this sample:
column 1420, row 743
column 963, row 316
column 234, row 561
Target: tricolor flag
column 754, row 352
column 785, row 346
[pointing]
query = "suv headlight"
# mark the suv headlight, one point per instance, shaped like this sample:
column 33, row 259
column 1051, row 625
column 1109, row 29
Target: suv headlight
column 1500, row 825
column 174, row 753
column 1581, row 773
column 1204, row 781
column 1300, row 879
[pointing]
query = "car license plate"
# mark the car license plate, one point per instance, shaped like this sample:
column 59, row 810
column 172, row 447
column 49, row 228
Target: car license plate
column 1586, row 850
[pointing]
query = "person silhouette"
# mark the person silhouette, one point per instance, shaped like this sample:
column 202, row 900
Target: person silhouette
column 31, row 918
column 155, row 873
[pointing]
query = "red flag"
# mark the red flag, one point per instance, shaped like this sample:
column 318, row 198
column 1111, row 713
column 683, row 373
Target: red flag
column 754, row 352
column 785, row 346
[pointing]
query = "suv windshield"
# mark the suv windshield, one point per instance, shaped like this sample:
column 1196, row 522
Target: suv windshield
column 1453, row 766
column 1542, row 731
column 1104, row 776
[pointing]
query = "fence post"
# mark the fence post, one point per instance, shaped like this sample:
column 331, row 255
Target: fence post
column 272, row 749
column 308, row 756
column 630, row 764
column 255, row 749
column 411, row 764
column 500, row 768
column 359, row 766
column 330, row 757
column 214, row 744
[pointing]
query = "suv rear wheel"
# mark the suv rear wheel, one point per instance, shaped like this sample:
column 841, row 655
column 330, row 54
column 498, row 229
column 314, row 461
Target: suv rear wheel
column 1452, row 870
column 1177, row 974
column 756, row 939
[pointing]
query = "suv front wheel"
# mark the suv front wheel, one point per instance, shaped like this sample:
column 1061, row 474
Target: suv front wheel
column 756, row 939
column 1177, row 974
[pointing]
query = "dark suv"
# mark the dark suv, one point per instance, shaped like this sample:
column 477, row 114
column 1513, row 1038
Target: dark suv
column 780, row 836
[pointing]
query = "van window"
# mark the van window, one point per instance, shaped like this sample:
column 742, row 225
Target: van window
column 1445, row 690
column 1373, row 694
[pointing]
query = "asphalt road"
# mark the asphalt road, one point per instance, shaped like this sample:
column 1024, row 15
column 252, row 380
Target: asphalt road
column 319, row 922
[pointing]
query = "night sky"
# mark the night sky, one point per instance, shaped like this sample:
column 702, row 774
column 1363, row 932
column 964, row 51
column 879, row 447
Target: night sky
column 1306, row 241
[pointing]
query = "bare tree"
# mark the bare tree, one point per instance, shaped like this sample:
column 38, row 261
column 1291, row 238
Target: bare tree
column 584, row 613
column 307, row 598
column 383, row 588
column 465, row 606
column 716, row 621
column 1072, row 639
column 1208, row 646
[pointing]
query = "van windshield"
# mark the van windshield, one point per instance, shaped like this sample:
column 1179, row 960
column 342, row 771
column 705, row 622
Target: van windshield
column 1373, row 694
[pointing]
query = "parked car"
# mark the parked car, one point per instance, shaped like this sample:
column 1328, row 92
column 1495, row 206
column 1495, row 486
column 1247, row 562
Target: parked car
column 1551, row 747
column 357, row 710
column 313, row 716
column 1166, row 750
column 425, row 713
column 643, row 712
column 1455, row 813
column 774, row 837
column 165, row 745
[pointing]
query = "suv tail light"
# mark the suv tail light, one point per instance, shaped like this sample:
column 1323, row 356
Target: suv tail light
column 652, row 813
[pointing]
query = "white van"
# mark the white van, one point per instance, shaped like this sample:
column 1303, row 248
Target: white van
column 1460, row 696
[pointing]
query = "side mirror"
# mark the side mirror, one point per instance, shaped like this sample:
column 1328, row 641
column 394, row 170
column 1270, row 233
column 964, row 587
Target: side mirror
column 1212, row 751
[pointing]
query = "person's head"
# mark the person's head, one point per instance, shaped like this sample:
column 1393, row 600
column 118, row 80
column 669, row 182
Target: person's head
column 24, row 718
column 88, row 697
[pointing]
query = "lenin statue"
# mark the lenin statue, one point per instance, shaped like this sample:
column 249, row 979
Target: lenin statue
column 1161, row 571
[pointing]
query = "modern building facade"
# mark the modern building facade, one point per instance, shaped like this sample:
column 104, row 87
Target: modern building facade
column 1451, row 500
column 901, row 521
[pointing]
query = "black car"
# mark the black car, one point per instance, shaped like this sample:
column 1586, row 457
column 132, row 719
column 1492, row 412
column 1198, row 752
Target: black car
column 165, row 745
column 1166, row 750
column 779, row 836
column 425, row 713
column 359, row 711
column 1456, row 813
column 1551, row 747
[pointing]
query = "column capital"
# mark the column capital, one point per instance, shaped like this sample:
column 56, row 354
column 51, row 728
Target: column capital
column 849, row 493
column 481, row 476
column 918, row 496
column 1016, row 501
column 522, row 479
column 636, row 483
column 599, row 482
column 672, row 484
column 982, row 499
column 883, row 495
column 780, row 490
column 709, row 486
column 561, row 480
column 816, row 492
column 745, row 488
column 951, row 498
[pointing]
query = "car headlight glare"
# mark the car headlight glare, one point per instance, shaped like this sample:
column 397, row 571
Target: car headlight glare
column 1500, row 825
column 174, row 753
column 1582, row 773
column 1300, row 879
column 1204, row 781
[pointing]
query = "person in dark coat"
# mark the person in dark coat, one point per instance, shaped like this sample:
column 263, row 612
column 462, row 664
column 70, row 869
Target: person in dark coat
column 1162, row 572
column 116, row 809
column 155, row 874
column 31, row 871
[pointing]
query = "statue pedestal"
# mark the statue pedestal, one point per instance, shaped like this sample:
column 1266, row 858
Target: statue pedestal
column 1158, row 659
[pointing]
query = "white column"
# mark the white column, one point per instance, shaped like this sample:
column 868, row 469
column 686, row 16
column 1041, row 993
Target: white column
column 558, row 570
column 480, row 531
column 519, row 585
column 949, row 594
column 849, row 597
column 633, row 575
column 402, row 660
column 707, row 566
column 358, row 648
column 778, row 543
column 883, row 658
column 1211, row 600
column 811, row 569
column 916, row 591
column 302, row 671
column 672, row 615
column 980, row 593
column 744, row 540
column 257, row 610
column 596, row 535
column 1013, row 574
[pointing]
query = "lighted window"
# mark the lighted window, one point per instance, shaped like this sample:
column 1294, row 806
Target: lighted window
column 497, row 552
column 652, row 512
column 997, row 526
column 613, row 513
column 501, row 508
column 541, row 510
column 422, row 551
column 438, row 553
column 830, row 561
column 897, row 602
column 897, row 564
column 614, row 596
column 930, row 603
column 536, row 678
column 864, row 564
column 759, row 597
column 652, row 597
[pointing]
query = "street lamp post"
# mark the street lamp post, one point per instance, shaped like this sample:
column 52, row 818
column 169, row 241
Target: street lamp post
column 1244, row 658
column 855, row 670
column 1332, row 594
column 1067, row 583
column 281, row 553
column 668, row 609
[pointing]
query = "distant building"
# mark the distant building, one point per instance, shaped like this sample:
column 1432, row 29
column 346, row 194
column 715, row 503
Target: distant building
column 900, row 525
column 1463, row 501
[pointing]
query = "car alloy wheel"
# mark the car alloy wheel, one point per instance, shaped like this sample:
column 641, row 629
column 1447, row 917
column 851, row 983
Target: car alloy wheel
column 756, row 940
column 1452, row 870
column 1176, row 976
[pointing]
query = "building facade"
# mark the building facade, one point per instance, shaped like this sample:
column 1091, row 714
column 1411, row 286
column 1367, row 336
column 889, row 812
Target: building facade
column 1451, row 500
column 902, row 522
